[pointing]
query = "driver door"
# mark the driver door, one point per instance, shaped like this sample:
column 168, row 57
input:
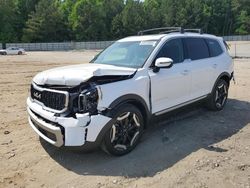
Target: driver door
column 171, row 86
column 11, row 51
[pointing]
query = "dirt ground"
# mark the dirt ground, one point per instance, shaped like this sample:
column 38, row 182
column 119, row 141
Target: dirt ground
column 191, row 148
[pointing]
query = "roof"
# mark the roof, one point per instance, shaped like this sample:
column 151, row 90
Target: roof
column 160, row 36
column 142, row 38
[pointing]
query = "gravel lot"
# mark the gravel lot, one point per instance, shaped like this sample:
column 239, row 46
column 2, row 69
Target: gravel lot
column 193, row 147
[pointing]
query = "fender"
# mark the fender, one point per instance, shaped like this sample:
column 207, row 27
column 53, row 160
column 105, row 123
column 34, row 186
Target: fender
column 134, row 99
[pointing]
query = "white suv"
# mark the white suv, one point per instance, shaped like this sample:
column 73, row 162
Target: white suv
column 110, row 101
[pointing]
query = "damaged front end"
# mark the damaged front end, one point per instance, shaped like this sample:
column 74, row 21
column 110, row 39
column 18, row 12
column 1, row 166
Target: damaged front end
column 69, row 116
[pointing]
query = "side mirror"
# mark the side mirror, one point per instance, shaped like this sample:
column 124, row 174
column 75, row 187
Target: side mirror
column 163, row 62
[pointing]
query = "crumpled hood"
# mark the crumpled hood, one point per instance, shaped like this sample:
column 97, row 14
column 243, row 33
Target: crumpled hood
column 76, row 74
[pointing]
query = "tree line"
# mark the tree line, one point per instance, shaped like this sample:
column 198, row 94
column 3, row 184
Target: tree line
column 92, row 20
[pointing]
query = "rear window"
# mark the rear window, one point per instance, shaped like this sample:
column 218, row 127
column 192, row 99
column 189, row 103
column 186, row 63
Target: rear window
column 214, row 47
column 197, row 48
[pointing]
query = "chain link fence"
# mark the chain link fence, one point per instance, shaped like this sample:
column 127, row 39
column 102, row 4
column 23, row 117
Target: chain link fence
column 61, row 46
column 237, row 38
column 239, row 46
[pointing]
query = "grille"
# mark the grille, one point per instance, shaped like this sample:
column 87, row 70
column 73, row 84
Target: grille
column 55, row 100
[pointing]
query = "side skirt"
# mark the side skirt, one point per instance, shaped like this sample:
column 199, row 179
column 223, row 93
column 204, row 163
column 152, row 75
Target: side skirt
column 180, row 105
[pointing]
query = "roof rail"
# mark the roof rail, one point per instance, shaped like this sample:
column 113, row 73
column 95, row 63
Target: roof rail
column 162, row 30
column 194, row 30
column 165, row 30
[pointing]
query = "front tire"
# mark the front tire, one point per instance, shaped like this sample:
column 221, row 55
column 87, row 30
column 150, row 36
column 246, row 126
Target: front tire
column 125, row 132
column 20, row 53
column 218, row 97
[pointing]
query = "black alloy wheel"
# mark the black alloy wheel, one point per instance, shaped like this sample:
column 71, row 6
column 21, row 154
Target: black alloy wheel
column 125, row 131
column 221, row 95
column 218, row 98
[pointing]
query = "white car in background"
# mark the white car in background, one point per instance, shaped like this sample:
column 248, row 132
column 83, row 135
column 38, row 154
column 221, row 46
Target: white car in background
column 12, row 51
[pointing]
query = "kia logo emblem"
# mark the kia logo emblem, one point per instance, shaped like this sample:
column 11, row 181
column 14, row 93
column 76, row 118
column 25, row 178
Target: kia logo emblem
column 37, row 95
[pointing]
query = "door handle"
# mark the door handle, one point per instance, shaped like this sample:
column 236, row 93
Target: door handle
column 215, row 65
column 185, row 72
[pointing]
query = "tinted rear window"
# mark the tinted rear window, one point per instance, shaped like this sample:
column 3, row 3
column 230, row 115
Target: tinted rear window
column 197, row 48
column 214, row 47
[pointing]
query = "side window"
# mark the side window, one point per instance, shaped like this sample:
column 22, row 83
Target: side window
column 172, row 49
column 197, row 48
column 214, row 47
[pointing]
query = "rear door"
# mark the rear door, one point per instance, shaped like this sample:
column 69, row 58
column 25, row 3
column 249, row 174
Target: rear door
column 201, row 66
column 217, row 58
column 15, row 51
column 170, row 86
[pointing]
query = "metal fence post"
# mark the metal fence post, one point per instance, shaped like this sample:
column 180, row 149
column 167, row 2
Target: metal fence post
column 235, row 50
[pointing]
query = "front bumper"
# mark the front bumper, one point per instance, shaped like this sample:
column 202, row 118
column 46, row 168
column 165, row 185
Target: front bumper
column 65, row 131
column 43, row 129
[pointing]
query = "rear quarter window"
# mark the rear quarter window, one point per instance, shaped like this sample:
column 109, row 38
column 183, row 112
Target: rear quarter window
column 214, row 47
column 197, row 48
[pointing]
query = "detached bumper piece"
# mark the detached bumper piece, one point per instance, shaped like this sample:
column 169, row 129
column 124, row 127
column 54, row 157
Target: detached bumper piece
column 48, row 132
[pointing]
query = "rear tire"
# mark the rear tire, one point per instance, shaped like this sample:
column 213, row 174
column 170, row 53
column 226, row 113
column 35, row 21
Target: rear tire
column 4, row 53
column 126, row 131
column 20, row 53
column 218, row 97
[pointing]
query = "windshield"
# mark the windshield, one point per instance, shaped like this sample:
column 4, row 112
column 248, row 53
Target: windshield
column 126, row 54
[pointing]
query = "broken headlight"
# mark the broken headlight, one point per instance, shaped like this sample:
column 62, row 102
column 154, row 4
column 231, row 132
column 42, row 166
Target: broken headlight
column 87, row 100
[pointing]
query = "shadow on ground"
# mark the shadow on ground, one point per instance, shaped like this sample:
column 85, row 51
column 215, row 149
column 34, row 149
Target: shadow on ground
column 173, row 137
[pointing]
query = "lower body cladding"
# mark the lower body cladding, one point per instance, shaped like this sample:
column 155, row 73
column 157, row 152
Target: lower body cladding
column 65, row 131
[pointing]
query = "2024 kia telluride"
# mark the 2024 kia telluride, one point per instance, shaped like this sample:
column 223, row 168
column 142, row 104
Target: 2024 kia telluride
column 109, row 101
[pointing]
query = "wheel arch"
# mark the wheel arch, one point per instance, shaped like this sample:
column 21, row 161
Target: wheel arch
column 224, row 76
column 133, row 99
